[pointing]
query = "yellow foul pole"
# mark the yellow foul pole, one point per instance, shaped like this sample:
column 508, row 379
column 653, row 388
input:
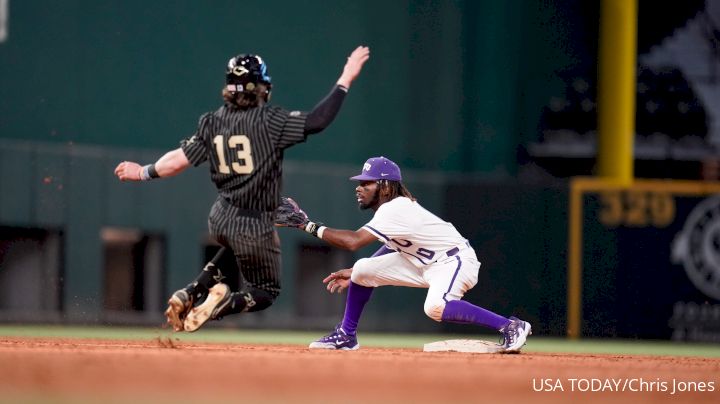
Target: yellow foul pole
column 616, row 91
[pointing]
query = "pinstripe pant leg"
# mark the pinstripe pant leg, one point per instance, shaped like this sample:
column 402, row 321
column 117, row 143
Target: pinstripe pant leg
column 255, row 243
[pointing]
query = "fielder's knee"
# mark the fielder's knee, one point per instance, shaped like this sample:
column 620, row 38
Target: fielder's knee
column 434, row 310
column 363, row 274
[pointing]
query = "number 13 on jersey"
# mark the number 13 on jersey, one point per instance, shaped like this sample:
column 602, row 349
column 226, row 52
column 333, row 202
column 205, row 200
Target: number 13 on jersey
column 240, row 146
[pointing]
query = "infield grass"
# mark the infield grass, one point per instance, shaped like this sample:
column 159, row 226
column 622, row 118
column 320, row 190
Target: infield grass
column 377, row 340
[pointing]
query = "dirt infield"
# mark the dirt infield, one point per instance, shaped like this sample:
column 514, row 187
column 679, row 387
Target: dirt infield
column 163, row 370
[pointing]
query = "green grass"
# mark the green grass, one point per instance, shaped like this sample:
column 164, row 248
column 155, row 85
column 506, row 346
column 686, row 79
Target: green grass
column 215, row 335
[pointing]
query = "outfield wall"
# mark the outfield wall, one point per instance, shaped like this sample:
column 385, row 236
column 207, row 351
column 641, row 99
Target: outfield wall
column 647, row 267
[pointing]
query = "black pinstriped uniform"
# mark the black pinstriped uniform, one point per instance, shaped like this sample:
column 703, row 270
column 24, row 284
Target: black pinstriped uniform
column 245, row 153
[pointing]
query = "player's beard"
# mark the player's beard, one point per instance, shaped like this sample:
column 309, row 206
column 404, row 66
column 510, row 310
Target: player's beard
column 373, row 202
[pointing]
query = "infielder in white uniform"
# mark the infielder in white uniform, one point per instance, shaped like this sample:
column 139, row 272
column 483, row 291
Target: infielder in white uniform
column 420, row 250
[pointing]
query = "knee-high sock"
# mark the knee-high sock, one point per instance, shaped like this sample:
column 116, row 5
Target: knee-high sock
column 357, row 296
column 211, row 274
column 248, row 299
column 460, row 311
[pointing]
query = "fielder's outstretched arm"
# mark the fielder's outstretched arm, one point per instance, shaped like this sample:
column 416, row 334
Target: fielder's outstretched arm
column 346, row 239
column 171, row 163
column 289, row 214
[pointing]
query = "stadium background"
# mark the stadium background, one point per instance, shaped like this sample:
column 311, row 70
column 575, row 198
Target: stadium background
column 488, row 106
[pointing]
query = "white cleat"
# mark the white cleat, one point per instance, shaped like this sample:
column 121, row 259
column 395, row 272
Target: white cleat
column 515, row 335
column 337, row 340
column 218, row 299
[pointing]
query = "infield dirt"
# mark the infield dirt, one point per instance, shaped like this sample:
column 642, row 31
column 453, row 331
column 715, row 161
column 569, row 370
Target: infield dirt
column 165, row 370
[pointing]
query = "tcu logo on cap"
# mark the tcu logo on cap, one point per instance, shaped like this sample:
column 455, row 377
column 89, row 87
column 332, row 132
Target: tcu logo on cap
column 379, row 168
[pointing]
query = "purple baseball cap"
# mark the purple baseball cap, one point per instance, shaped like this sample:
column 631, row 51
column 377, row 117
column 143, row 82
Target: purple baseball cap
column 379, row 168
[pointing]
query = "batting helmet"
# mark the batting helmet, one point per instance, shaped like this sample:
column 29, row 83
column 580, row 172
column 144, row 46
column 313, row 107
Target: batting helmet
column 245, row 72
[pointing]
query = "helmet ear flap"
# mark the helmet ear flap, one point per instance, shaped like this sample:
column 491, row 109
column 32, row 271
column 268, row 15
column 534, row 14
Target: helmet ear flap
column 268, row 92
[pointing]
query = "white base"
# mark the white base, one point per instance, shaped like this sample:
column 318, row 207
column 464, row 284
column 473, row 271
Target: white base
column 463, row 345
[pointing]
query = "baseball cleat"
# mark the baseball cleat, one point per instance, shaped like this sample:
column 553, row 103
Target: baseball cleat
column 218, row 299
column 514, row 335
column 178, row 306
column 338, row 340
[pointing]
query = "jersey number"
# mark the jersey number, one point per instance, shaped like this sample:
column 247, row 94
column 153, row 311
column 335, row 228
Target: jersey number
column 423, row 252
column 241, row 145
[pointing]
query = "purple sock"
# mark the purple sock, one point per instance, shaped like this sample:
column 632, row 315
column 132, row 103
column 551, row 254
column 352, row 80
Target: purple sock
column 460, row 311
column 356, row 298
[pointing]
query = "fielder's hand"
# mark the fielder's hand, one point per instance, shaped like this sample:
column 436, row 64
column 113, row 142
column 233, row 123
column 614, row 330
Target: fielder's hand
column 128, row 171
column 354, row 64
column 338, row 281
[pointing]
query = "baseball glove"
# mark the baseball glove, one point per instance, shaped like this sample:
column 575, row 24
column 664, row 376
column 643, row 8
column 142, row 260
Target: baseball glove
column 289, row 214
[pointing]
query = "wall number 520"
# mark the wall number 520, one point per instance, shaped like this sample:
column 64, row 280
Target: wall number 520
column 240, row 146
column 636, row 209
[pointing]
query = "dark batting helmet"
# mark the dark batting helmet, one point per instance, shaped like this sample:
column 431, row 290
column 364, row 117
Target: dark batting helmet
column 245, row 72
